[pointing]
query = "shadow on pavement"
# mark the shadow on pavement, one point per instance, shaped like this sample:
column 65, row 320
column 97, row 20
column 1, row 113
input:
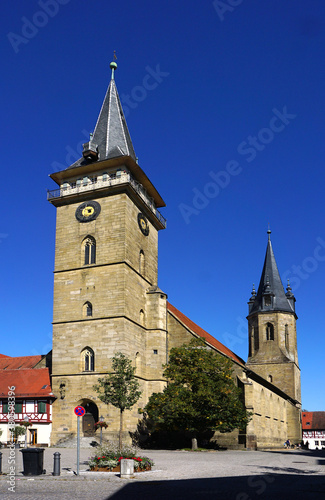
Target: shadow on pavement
column 270, row 486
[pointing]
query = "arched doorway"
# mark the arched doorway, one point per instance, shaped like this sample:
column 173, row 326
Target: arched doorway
column 90, row 417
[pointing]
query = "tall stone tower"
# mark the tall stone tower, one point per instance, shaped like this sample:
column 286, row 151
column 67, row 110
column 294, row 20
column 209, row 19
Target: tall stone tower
column 273, row 336
column 106, row 297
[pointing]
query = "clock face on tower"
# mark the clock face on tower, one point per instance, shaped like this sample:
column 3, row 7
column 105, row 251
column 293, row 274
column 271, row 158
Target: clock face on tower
column 87, row 211
column 143, row 224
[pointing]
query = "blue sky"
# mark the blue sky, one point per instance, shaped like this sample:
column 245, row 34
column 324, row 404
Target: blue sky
column 235, row 95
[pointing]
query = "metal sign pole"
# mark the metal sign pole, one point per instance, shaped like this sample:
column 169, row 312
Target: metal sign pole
column 79, row 411
column 78, row 444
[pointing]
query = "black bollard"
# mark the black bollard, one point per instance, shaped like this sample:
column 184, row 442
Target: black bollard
column 0, row 462
column 56, row 465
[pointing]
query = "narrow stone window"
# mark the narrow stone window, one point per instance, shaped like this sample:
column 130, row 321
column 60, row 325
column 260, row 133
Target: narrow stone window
column 256, row 339
column 141, row 262
column 141, row 317
column 286, row 334
column 137, row 362
column 89, row 251
column 269, row 331
column 87, row 310
column 88, row 360
column 270, row 378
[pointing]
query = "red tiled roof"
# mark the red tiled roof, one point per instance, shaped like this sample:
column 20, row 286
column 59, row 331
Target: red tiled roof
column 202, row 333
column 27, row 382
column 8, row 363
column 313, row 420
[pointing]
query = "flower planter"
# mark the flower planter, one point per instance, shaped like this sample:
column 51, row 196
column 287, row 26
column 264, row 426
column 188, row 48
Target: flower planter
column 115, row 469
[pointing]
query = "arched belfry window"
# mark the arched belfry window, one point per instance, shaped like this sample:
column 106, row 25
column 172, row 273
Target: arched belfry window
column 89, row 251
column 88, row 360
column 87, row 310
column 269, row 331
column 141, row 262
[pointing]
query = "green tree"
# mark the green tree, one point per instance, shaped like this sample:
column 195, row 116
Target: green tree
column 200, row 395
column 121, row 388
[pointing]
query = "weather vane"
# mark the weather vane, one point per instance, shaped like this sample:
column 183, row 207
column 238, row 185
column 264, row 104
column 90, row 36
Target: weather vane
column 114, row 56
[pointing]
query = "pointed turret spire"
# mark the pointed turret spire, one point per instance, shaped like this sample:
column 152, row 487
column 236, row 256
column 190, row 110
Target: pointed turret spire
column 252, row 298
column 270, row 294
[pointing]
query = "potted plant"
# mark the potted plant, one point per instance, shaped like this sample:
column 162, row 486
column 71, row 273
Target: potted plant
column 18, row 431
column 101, row 425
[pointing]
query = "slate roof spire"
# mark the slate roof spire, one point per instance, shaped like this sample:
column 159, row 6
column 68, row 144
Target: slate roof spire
column 270, row 294
column 111, row 135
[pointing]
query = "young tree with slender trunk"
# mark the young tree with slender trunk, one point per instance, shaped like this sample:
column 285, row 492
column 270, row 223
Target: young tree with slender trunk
column 121, row 388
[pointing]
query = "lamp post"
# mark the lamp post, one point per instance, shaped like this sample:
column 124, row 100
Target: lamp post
column 26, row 419
column 101, row 419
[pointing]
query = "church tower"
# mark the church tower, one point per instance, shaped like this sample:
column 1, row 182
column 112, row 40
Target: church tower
column 106, row 295
column 272, row 330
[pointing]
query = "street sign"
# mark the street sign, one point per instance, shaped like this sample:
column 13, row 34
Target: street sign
column 79, row 411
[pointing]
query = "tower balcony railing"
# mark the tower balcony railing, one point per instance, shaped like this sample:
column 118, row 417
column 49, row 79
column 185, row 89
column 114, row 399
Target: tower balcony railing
column 84, row 186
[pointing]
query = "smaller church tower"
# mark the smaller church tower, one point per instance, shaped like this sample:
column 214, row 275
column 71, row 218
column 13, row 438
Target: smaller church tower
column 272, row 330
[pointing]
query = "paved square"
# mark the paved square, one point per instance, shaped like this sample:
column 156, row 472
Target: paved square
column 233, row 475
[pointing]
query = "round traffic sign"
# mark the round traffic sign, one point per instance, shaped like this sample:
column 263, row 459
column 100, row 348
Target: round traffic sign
column 79, row 411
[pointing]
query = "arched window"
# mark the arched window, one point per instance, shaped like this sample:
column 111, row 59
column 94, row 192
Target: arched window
column 88, row 360
column 87, row 310
column 270, row 378
column 141, row 317
column 141, row 262
column 269, row 331
column 89, row 251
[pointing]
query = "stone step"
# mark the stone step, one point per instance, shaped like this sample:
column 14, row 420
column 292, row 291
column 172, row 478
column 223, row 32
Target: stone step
column 85, row 442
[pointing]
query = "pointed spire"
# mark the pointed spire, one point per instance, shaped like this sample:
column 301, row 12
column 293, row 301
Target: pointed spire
column 291, row 298
column 289, row 293
column 252, row 299
column 111, row 133
column 111, row 137
column 271, row 286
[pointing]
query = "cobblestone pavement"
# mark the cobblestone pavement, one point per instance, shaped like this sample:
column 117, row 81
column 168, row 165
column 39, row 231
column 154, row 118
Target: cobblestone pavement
column 233, row 475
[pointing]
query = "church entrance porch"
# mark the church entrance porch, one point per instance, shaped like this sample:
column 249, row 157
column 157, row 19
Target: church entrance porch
column 90, row 417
